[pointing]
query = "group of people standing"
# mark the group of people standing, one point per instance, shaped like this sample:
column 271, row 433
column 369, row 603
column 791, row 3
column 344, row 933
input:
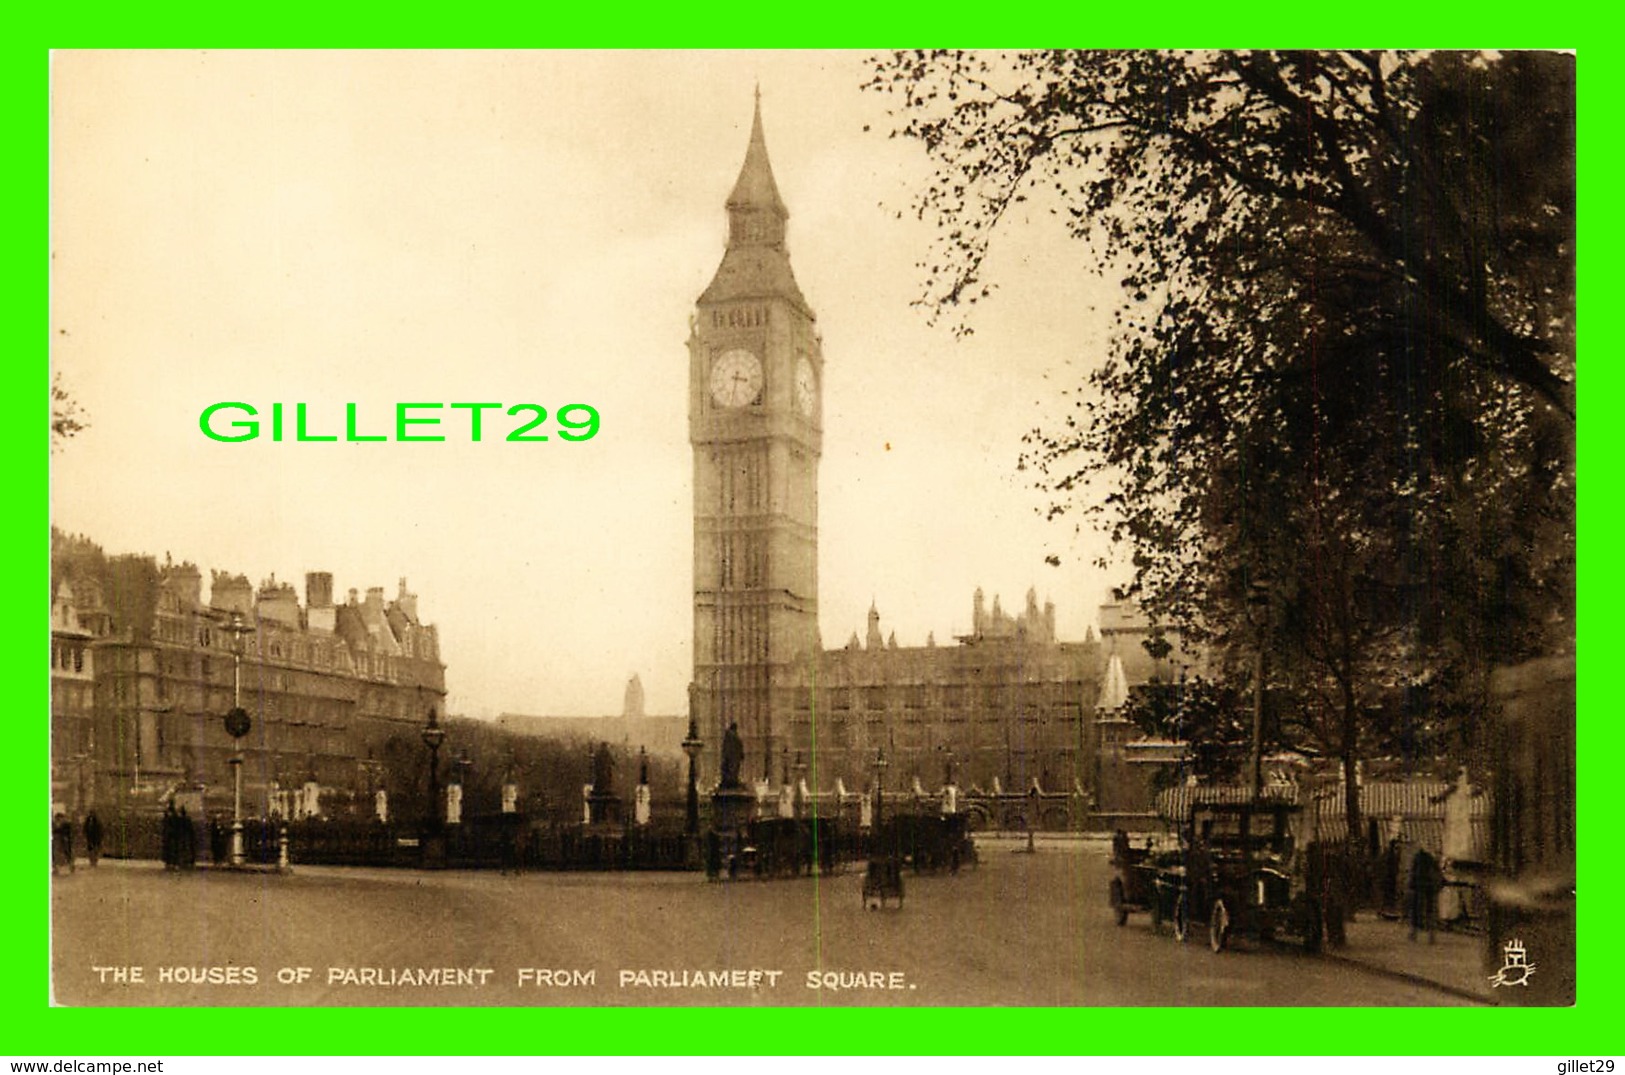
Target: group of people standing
column 62, row 856
column 179, row 839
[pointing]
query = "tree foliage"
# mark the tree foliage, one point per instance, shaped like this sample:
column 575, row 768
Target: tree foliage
column 66, row 416
column 1336, row 413
column 1212, row 717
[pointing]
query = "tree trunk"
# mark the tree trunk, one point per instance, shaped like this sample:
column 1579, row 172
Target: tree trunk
column 1351, row 789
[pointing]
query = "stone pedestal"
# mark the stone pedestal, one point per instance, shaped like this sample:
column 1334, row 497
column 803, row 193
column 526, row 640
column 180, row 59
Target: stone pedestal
column 603, row 808
column 732, row 808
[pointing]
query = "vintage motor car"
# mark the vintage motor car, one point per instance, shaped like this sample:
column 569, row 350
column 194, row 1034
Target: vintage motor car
column 1241, row 873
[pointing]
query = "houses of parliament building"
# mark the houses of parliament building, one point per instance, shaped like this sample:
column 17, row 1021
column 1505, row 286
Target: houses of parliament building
column 1006, row 707
column 143, row 666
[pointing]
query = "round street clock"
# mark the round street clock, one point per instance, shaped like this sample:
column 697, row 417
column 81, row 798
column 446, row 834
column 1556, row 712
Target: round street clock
column 238, row 722
column 736, row 378
column 806, row 387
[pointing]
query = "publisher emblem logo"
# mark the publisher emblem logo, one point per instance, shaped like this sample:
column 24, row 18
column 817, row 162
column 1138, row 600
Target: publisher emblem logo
column 1517, row 968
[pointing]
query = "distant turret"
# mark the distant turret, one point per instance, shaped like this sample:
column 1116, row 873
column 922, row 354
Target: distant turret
column 319, row 612
column 185, row 582
column 231, row 593
column 407, row 603
column 277, row 603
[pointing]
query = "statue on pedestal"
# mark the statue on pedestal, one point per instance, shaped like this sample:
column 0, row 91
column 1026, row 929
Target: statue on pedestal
column 733, row 804
column 603, row 805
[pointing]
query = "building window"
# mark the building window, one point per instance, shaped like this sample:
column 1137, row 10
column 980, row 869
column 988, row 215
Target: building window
column 840, row 698
column 914, row 696
column 874, row 698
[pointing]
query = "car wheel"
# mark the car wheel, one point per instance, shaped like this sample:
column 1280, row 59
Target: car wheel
column 1218, row 926
column 1119, row 904
column 1182, row 918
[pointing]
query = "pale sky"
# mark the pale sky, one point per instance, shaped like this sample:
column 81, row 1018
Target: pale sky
column 375, row 228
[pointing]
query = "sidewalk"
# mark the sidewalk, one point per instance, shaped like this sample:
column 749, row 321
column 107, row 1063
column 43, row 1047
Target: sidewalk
column 1454, row 962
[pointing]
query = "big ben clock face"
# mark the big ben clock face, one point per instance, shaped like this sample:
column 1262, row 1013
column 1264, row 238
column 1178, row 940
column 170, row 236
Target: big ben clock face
column 736, row 378
column 806, row 387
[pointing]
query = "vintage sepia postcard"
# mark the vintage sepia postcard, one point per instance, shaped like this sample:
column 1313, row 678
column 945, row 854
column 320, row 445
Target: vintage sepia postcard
column 788, row 529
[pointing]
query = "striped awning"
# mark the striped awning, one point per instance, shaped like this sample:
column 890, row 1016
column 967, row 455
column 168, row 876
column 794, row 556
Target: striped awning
column 1404, row 799
column 1175, row 803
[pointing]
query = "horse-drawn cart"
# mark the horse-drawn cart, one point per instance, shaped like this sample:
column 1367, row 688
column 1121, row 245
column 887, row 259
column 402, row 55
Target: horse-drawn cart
column 1134, row 888
column 882, row 881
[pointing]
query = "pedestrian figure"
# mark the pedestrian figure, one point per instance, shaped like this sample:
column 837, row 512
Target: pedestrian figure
column 61, row 843
column 186, row 838
column 1390, row 877
column 93, row 838
column 713, row 855
column 1120, row 847
column 167, row 836
column 1426, row 880
column 218, row 845
column 510, row 833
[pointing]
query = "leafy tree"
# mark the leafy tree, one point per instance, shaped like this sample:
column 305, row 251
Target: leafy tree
column 1212, row 717
column 1341, row 374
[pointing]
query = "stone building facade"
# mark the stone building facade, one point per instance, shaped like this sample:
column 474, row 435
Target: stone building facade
column 756, row 371
column 1005, row 707
column 73, row 697
column 325, row 683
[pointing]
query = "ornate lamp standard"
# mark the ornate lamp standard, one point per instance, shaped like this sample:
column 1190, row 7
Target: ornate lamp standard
column 692, row 745
column 433, row 736
column 238, row 724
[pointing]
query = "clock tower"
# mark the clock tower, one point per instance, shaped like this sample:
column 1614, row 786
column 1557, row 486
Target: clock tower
column 755, row 421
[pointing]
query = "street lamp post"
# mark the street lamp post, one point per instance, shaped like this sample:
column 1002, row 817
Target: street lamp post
column 692, row 745
column 433, row 736
column 880, row 785
column 238, row 724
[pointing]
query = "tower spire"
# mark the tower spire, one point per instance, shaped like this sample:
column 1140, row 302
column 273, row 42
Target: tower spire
column 755, row 191
column 756, row 264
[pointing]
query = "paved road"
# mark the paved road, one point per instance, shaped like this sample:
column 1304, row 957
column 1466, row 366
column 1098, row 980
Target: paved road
column 1019, row 930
